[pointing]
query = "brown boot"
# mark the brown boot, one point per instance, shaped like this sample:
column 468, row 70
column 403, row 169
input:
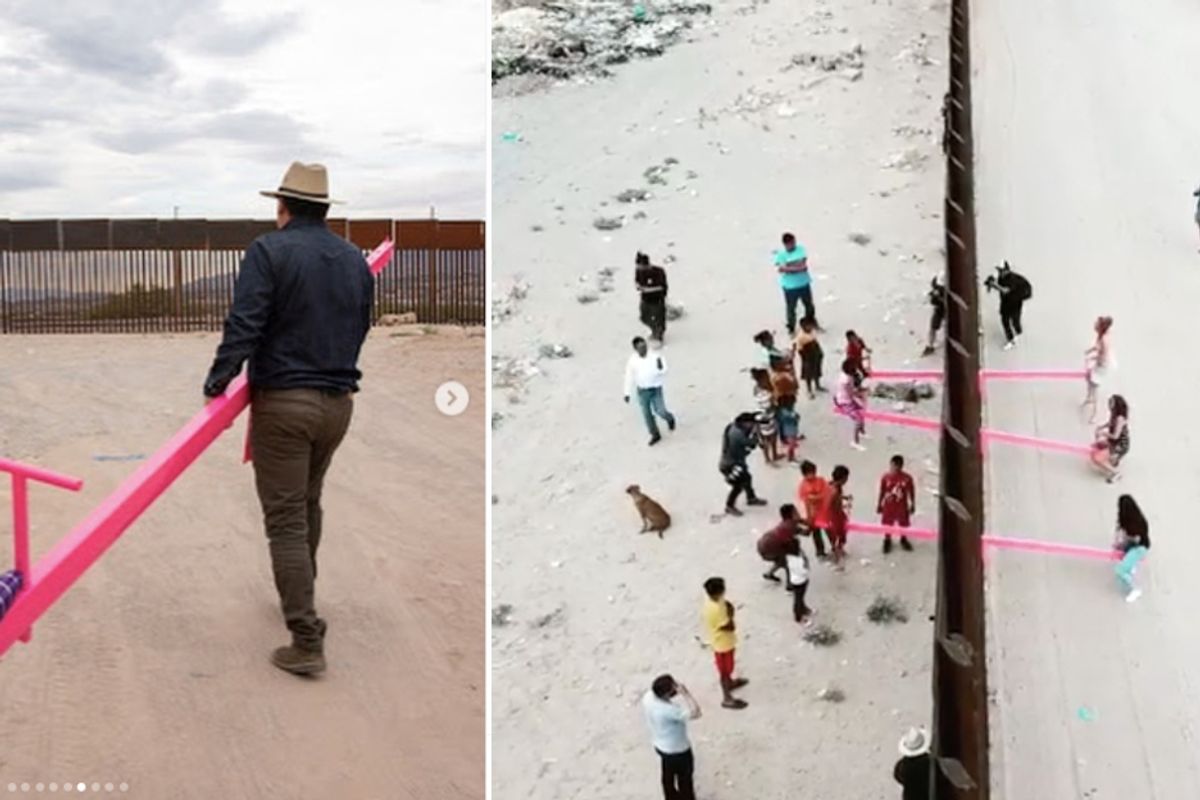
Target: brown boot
column 298, row 661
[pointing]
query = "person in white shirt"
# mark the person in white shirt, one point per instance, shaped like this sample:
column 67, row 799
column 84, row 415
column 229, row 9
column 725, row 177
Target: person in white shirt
column 668, row 721
column 646, row 373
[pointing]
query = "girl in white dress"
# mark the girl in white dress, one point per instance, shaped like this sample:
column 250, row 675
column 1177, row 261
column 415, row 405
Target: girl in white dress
column 1099, row 363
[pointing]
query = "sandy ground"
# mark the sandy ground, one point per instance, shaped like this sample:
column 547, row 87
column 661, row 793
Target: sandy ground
column 596, row 611
column 1087, row 161
column 153, row 671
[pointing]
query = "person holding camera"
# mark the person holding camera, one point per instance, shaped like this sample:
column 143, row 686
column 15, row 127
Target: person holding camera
column 1014, row 290
column 668, row 722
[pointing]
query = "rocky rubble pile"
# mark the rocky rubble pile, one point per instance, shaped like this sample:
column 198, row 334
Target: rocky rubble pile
column 567, row 38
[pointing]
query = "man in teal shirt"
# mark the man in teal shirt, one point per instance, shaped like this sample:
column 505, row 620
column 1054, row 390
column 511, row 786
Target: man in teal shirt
column 792, row 265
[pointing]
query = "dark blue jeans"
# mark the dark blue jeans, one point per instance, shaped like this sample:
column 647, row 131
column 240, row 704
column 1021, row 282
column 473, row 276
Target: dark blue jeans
column 652, row 402
column 790, row 298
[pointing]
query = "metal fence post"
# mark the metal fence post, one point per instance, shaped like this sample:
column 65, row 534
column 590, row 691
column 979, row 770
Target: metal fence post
column 960, row 701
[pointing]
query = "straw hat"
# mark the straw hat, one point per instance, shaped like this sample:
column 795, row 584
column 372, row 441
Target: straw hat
column 304, row 182
column 914, row 743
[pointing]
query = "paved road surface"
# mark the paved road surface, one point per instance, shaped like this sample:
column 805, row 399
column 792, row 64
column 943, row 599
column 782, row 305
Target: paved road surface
column 1088, row 140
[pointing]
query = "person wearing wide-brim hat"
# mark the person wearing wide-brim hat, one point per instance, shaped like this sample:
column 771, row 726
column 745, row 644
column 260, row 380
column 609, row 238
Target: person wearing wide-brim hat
column 301, row 310
column 914, row 769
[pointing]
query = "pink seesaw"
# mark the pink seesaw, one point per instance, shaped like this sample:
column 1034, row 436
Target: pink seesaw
column 987, row 435
column 48, row 579
column 1000, row 542
column 984, row 374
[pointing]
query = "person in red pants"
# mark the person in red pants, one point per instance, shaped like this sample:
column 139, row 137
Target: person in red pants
column 897, row 502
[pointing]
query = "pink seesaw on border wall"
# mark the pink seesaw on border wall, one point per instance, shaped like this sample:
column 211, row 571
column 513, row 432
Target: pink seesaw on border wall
column 47, row 580
column 987, row 435
column 984, row 374
column 999, row 542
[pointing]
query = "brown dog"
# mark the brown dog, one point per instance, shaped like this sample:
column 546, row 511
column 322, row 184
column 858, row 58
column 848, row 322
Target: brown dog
column 654, row 517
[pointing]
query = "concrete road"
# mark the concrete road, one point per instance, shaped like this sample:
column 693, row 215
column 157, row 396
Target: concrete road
column 1087, row 131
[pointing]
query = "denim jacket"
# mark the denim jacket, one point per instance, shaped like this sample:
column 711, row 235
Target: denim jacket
column 301, row 310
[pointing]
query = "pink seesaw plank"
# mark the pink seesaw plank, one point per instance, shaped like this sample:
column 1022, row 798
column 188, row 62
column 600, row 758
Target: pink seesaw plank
column 379, row 258
column 989, row 435
column 1001, row 542
column 66, row 562
column 984, row 374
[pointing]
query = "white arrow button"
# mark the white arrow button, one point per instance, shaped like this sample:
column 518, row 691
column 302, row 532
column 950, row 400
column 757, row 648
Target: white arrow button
column 452, row 398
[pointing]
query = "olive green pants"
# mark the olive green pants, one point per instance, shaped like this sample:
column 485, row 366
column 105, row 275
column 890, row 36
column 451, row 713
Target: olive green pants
column 293, row 434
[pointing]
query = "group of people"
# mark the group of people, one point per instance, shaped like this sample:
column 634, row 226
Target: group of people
column 821, row 513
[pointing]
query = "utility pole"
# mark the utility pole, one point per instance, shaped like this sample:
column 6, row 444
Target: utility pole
column 177, row 272
column 960, row 700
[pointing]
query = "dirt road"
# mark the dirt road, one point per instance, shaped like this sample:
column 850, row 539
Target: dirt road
column 1086, row 127
column 153, row 671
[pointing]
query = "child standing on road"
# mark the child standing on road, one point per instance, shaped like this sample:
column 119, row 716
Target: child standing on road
column 797, row 574
column 1133, row 541
column 783, row 389
column 815, row 495
column 1097, row 360
column 897, row 502
column 840, row 505
column 859, row 354
column 808, row 348
column 767, row 430
column 722, row 637
column 851, row 400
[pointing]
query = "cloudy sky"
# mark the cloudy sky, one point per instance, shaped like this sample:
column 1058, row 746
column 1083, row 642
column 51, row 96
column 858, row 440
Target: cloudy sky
column 119, row 108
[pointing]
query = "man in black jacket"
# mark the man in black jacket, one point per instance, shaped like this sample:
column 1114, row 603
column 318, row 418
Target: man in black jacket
column 301, row 310
column 652, row 286
column 1014, row 290
column 736, row 444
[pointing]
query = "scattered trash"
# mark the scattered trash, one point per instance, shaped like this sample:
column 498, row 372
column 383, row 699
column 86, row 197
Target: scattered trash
column 861, row 239
column 847, row 64
column 504, row 305
column 137, row 457
column 1086, row 714
column 822, row 636
column 904, row 391
column 497, row 418
column 562, row 41
column 510, row 136
column 886, row 610
column 633, row 196
column 502, row 615
column 906, row 160
column 547, row 620
column 674, row 311
column 555, row 351
column 586, row 297
column 608, row 223
column 832, row 694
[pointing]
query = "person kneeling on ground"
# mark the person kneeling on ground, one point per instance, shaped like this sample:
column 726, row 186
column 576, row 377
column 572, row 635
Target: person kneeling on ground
column 1112, row 439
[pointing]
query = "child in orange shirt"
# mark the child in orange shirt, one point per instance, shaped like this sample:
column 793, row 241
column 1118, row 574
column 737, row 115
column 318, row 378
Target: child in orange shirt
column 814, row 495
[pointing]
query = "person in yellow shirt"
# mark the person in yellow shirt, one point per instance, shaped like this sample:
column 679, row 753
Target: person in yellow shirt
column 717, row 614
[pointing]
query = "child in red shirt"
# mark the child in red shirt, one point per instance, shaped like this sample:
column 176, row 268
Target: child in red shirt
column 840, row 504
column 814, row 494
column 897, row 502
column 858, row 352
